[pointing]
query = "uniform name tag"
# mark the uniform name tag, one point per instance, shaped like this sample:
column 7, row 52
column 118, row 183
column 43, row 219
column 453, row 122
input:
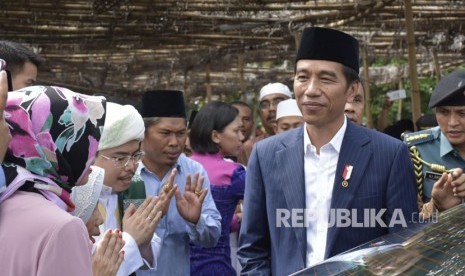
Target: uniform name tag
column 432, row 175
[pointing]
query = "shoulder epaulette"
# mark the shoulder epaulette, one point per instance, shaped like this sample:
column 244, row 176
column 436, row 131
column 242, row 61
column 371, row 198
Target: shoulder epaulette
column 419, row 137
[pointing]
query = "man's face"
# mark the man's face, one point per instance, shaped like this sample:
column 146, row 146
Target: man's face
column 117, row 176
column 288, row 123
column 245, row 115
column 451, row 120
column 321, row 92
column 164, row 141
column 267, row 108
column 356, row 106
column 26, row 77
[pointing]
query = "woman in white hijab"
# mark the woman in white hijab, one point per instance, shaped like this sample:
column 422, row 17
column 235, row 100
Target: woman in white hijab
column 106, row 255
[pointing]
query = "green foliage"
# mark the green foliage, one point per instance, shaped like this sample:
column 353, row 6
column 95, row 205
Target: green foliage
column 378, row 93
column 383, row 62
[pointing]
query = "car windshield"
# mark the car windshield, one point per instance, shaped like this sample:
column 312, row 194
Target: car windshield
column 422, row 249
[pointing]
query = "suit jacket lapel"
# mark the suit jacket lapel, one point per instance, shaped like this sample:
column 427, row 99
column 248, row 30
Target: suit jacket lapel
column 291, row 162
column 353, row 152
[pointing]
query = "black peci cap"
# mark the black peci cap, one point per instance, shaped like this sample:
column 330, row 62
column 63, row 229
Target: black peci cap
column 329, row 44
column 163, row 103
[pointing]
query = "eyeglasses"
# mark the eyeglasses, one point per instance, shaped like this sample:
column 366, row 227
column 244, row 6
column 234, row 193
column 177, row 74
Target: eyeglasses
column 267, row 104
column 123, row 161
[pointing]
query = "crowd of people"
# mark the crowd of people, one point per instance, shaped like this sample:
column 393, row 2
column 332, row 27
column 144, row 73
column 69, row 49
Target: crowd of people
column 93, row 187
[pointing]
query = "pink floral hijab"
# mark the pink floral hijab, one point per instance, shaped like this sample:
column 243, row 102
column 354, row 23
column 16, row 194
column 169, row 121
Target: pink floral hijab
column 55, row 135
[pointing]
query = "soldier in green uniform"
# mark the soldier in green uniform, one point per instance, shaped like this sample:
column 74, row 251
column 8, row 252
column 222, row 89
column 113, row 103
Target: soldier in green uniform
column 438, row 153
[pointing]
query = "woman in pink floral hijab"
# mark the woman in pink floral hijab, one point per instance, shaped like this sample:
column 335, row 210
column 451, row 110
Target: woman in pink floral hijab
column 55, row 134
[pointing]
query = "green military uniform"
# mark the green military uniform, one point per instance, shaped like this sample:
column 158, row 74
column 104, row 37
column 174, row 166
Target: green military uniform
column 432, row 154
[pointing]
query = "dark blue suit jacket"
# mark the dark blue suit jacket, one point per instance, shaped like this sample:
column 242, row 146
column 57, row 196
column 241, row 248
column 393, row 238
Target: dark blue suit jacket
column 382, row 177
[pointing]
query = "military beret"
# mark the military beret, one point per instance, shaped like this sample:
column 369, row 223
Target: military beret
column 449, row 91
column 329, row 44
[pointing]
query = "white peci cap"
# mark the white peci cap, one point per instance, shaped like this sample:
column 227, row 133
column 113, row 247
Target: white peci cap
column 288, row 108
column 275, row 88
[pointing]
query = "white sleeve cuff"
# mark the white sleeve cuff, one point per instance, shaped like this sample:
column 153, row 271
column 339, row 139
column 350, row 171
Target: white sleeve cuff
column 132, row 257
column 155, row 244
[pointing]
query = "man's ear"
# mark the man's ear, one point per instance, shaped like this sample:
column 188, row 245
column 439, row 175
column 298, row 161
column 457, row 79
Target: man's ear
column 215, row 137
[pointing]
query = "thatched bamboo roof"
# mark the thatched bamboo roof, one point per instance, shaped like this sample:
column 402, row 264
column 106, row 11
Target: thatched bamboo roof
column 124, row 47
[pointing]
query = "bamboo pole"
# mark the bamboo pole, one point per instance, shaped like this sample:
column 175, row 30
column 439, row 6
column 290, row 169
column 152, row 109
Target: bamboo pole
column 437, row 68
column 297, row 38
column 186, row 94
column 366, row 89
column 241, row 76
column 416, row 100
column 399, row 108
column 168, row 80
column 208, row 82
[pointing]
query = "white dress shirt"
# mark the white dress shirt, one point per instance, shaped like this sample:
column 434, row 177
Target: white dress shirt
column 109, row 201
column 319, row 173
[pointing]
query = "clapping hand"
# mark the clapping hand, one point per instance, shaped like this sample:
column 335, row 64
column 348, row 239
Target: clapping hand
column 190, row 204
column 140, row 223
column 167, row 193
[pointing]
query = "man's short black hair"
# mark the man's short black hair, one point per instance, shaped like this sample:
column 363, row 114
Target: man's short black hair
column 241, row 103
column 16, row 55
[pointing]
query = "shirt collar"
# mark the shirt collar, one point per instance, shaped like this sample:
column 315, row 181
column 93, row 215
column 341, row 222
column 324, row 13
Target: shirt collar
column 142, row 167
column 445, row 147
column 106, row 191
column 336, row 141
